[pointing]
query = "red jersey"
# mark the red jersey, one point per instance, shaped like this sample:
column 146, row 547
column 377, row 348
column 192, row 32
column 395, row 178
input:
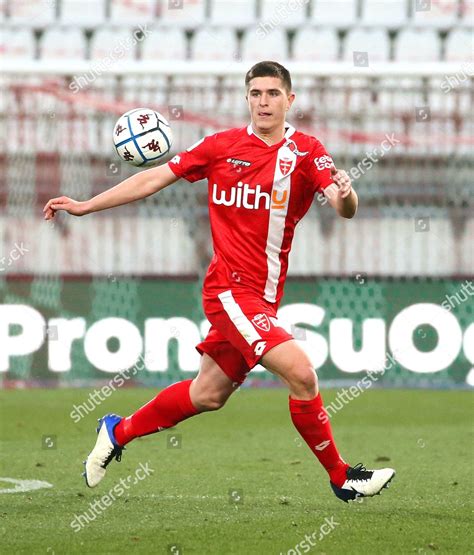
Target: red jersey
column 257, row 195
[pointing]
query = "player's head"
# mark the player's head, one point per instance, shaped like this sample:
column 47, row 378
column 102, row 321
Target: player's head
column 269, row 95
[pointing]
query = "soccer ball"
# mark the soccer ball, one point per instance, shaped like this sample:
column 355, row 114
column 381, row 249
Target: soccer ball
column 142, row 136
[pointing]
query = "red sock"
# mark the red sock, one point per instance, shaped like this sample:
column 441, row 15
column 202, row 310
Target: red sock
column 312, row 422
column 170, row 406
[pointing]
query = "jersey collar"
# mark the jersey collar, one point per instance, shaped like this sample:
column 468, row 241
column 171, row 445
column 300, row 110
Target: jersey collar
column 288, row 133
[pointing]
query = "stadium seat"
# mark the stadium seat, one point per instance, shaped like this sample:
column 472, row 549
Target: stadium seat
column 390, row 13
column 63, row 44
column 417, row 45
column 215, row 44
column 126, row 12
column 373, row 41
column 339, row 13
column 90, row 13
column 165, row 43
column 184, row 13
column 32, row 14
column 459, row 46
column 440, row 13
column 238, row 13
column 17, row 44
column 282, row 12
column 467, row 13
column 113, row 44
column 319, row 45
column 257, row 45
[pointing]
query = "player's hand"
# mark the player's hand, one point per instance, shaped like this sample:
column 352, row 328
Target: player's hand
column 69, row 205
column 342, row 181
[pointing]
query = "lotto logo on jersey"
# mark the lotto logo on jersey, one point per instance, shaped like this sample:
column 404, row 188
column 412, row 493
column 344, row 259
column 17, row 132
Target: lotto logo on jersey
column 261, row 322
column 247, row 197
column 324, row 162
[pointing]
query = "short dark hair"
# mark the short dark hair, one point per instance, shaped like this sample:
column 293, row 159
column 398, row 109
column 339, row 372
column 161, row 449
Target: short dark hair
column 269, row 69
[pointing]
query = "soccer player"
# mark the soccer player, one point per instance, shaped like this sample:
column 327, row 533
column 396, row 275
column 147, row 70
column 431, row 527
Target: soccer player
column 262, row 179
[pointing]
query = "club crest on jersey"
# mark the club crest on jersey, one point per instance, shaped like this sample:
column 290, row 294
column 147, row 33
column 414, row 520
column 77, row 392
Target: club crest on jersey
column 285, row 165
column 261, row 322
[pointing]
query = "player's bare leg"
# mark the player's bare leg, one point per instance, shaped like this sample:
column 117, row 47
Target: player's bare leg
column 288, row 361
column 208, row 391
column 211, row 388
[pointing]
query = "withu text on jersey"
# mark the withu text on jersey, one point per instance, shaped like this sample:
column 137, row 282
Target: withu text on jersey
column 243, row 195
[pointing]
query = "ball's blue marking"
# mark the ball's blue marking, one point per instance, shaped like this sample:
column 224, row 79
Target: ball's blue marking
column 125, row 141
column 134, row 140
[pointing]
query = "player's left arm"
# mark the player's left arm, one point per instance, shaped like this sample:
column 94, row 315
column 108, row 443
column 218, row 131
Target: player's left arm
column 340, row 194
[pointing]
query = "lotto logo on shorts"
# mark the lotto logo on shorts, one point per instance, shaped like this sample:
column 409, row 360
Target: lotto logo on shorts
column 261, row 322
column 324, row 163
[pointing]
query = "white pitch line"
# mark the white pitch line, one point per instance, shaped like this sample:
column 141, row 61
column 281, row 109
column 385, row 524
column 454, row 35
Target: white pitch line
column 22, row 486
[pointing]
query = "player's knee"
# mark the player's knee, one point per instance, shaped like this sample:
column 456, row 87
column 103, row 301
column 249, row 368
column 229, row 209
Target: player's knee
column 304, row 380
column 209, row 401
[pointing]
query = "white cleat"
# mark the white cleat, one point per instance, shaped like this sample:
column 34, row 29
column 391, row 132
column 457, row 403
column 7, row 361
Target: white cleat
column 363, row 483
column 105, row 449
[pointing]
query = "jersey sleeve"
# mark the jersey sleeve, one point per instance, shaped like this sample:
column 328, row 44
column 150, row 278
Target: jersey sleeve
column 319, row 174
column 194, row 163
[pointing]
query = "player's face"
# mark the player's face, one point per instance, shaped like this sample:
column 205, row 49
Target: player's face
column 268, row 102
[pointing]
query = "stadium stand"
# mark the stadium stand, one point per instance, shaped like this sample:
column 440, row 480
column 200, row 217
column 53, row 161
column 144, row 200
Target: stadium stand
column 288, row 14
column 259, row 44
column 390, row 13
column 319, row 45
column 63, row 144
column 459, row 46
column 439, row 13
column 164, row 43
column 17, row 44
column 189, row 14
column 66, row 44
column 337, row 13
column 106, row 40
column 374, row 42
column 237, row 13
column 124, row 12
column 417, row 45
column 89, row 13
column 28, row 13
column 445, row 32
column 205, row 40
column 467, row 12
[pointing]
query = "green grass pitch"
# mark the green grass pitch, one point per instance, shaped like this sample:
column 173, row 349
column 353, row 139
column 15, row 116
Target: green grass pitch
column 239, row 480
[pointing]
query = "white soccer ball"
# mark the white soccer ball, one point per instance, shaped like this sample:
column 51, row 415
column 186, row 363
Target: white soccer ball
column 142, row 136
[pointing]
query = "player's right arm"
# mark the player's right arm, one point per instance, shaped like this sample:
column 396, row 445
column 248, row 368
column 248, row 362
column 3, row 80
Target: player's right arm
column 140, row 185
